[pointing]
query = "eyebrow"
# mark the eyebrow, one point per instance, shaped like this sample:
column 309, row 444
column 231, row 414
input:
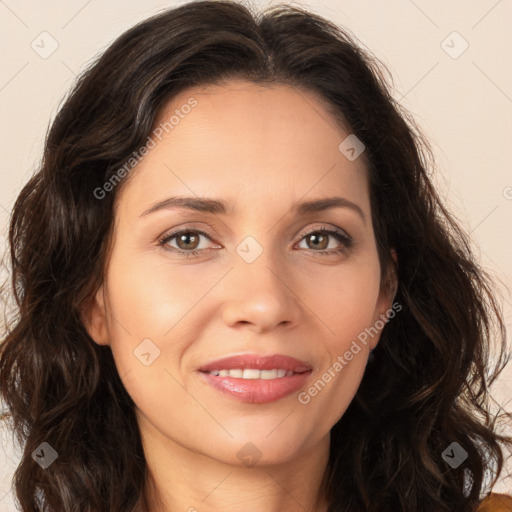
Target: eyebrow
column 218, row 207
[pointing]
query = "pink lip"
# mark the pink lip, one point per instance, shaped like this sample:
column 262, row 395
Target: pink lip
column 257, row 391
column 258, row 362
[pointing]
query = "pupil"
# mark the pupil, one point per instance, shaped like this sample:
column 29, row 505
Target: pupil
column 316, row 237
column 183, row 238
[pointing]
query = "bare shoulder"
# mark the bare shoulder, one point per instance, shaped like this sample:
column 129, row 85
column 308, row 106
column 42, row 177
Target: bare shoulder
column 496, row 503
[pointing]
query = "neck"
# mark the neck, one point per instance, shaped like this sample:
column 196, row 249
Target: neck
column 181, row 480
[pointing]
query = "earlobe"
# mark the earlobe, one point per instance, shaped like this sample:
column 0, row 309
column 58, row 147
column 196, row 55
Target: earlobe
column 94, row 318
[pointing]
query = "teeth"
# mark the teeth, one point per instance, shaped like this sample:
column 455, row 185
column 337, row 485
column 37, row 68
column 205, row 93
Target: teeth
column 268, row 374
column 253, row 373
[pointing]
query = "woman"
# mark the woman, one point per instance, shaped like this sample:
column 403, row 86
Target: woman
column 321, row 345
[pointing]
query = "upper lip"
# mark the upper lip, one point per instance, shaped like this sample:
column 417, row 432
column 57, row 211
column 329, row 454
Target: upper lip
column 258, row 362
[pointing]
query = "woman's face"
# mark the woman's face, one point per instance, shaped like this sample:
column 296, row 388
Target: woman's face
column 258, row 277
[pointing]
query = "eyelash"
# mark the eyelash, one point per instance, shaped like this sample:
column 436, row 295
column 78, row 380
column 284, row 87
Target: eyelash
column 346, row 241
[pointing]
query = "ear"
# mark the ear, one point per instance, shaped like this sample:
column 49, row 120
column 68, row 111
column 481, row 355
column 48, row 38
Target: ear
column 94, row 318
column 388, row 289
column 390, row 281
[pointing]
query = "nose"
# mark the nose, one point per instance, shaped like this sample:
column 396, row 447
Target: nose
column 261, row 296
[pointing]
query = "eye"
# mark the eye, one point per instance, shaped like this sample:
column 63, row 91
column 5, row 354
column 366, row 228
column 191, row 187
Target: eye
column 187, row 241
column 320, row 239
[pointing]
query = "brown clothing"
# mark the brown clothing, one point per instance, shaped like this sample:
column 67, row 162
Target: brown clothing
column 496, row 503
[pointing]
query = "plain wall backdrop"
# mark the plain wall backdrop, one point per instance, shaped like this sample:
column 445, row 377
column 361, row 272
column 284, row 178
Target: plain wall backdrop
column 451, row 66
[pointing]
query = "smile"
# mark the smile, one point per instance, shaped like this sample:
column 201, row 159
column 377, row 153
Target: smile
column 253, row 373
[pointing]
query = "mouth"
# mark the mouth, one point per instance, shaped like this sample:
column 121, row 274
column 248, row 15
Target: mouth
column 256, row 379
column 253, row 373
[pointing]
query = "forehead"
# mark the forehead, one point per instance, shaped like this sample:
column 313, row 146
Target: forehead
column 251, row 142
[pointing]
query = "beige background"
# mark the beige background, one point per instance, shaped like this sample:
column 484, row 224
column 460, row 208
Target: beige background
column 461, row 99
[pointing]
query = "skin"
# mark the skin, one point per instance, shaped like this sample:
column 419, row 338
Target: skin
column 262, row 150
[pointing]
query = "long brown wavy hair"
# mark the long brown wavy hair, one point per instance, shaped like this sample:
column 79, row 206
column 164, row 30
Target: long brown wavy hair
column 428, row 386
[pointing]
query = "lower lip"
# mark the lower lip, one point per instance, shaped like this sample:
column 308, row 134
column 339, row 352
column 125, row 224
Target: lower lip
column 257, row 391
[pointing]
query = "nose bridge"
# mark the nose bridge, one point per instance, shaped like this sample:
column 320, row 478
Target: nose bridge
column 260, row 266
column 258, row 289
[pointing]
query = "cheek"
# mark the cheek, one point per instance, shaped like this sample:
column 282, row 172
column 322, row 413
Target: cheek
column 146, row 310
column 346, row 300
column 150, row 300
column 347, row 309
column 346, row 304
column 149, row 328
